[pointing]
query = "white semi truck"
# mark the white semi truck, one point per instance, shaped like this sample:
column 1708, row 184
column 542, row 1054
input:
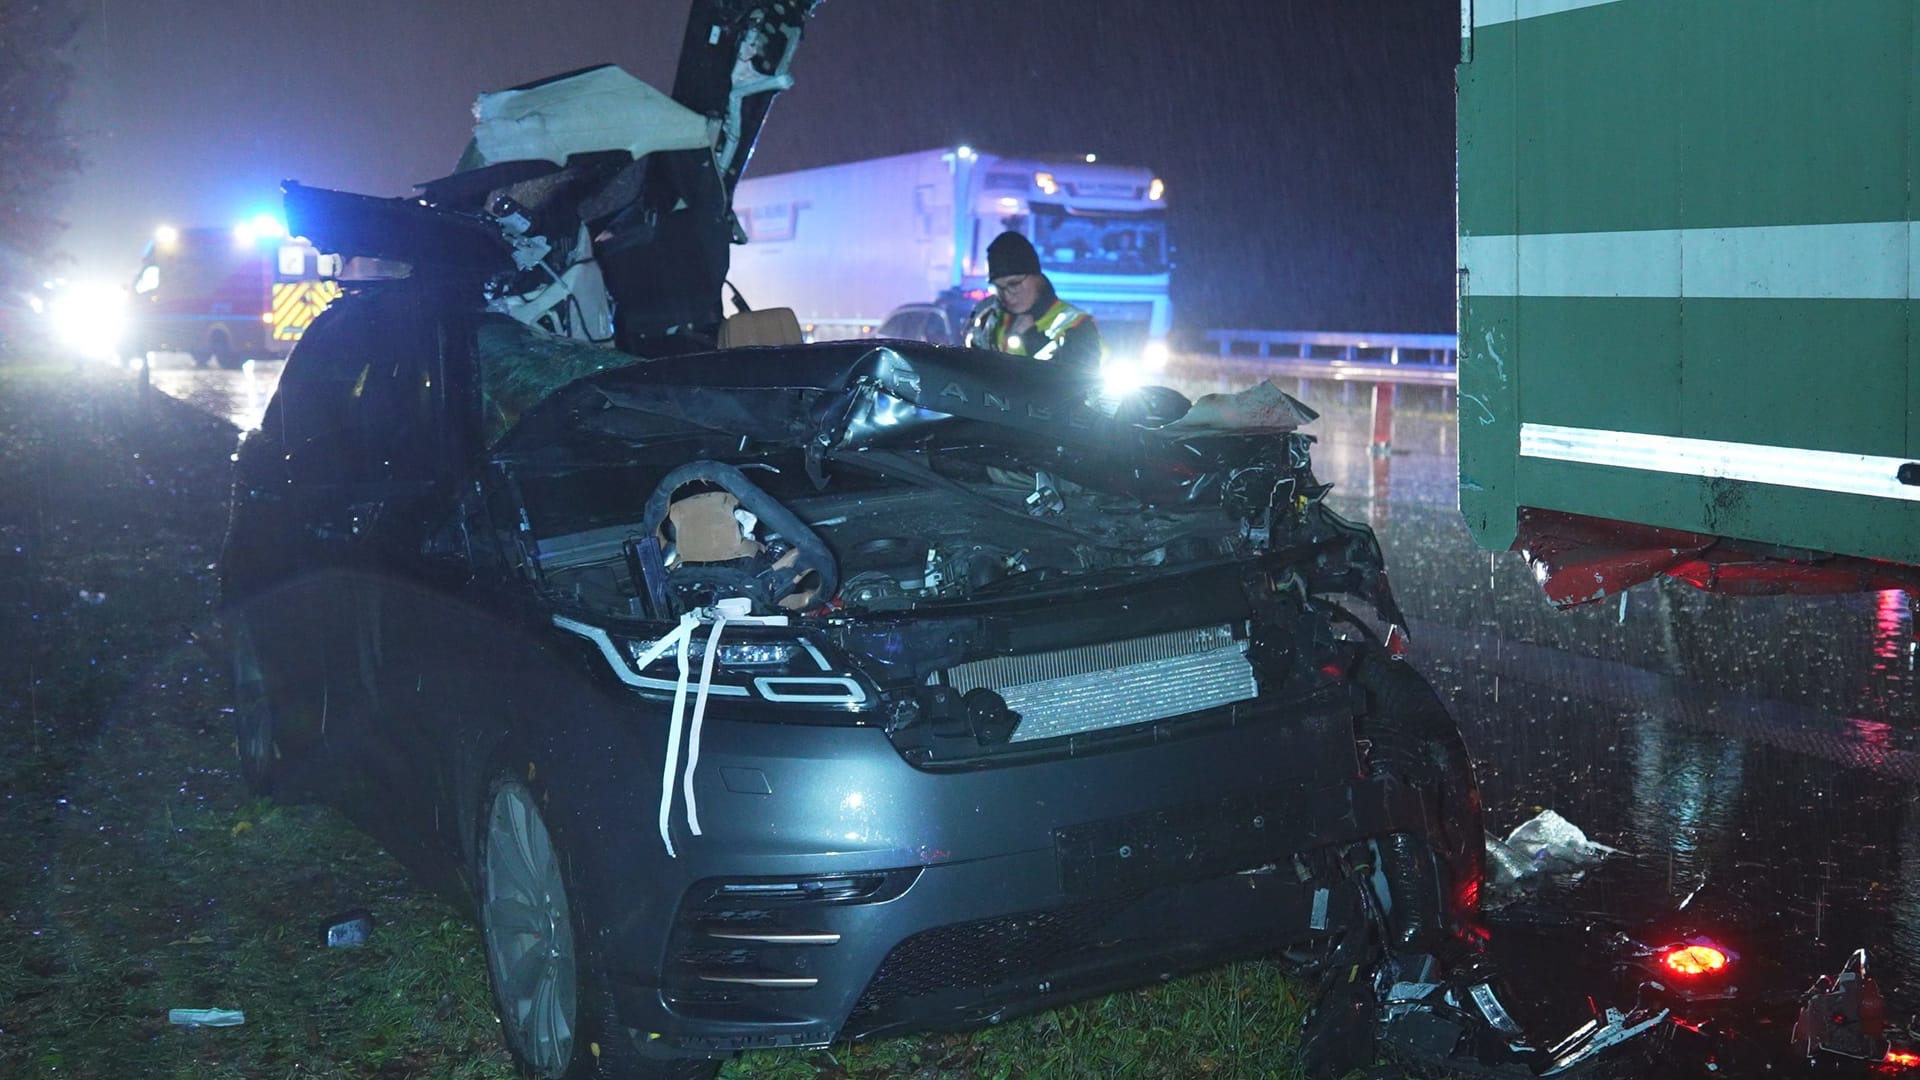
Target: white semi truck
column 896, row 246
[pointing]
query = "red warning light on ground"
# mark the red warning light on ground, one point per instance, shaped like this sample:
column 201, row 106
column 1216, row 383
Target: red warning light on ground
column 1903, row 1058
column 1696, row 959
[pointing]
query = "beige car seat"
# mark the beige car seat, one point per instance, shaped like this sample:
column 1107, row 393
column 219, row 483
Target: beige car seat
column 767, row 326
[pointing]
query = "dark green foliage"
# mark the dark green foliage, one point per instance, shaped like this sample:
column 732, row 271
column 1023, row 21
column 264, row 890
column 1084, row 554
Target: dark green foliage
column 37, row 147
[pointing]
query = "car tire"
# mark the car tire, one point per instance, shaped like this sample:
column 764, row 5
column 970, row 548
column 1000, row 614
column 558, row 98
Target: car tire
column 254, row 733
column 220, row 347
column 554, row 1010
column 1413, row 737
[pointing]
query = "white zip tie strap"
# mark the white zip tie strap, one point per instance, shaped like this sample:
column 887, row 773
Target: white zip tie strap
column 726, row 611
column 699, row 718
column 681, row 636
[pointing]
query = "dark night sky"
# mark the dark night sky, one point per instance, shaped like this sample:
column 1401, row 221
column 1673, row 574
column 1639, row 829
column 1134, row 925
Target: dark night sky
column 1306, row 144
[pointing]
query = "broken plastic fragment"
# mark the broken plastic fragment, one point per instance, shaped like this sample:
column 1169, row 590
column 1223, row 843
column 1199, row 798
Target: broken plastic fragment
column 349, row 929
column 1265, row 407
column 1593, row 1038
column 206, row 1017
column 1844, row 1015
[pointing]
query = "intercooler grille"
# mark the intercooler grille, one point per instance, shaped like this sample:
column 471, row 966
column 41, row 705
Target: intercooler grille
column 1115, row 684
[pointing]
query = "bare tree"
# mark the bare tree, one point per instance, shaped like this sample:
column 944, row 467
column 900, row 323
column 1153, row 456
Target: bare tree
column 38, row 151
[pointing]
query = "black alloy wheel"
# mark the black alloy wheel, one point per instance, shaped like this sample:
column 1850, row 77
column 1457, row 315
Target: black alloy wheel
column 253, row 727
column 555, row 1013
column 220, row 347
column 528, row 926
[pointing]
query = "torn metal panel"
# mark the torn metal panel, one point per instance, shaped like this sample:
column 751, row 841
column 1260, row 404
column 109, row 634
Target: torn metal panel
column 1580, row 559
column 601, row 108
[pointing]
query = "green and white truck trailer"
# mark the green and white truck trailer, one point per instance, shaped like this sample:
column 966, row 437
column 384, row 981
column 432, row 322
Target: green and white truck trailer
column 1690, row 290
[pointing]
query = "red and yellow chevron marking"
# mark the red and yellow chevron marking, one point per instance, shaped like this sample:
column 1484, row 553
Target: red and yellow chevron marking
column 295, row 303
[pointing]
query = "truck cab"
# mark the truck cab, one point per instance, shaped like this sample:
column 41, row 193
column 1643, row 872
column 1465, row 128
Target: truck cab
column 896, row 246
column 1100, row 231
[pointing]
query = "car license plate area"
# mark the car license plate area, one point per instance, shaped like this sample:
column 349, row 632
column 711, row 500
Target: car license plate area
column 1179, row 843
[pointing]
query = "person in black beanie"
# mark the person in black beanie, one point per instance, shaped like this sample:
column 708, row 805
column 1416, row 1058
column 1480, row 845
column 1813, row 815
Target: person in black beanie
column 1025, row 317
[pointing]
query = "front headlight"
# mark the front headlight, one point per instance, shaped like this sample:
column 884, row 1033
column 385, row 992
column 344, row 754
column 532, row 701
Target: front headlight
column 788, row 669
column 760, row 654
column 769, row 664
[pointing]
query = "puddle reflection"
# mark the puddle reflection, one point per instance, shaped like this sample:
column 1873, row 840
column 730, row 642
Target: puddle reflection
column 238, row 396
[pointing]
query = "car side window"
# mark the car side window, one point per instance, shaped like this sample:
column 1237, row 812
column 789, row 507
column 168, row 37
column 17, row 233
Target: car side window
column 314, row 403
column 359, row 402
column 395, row 417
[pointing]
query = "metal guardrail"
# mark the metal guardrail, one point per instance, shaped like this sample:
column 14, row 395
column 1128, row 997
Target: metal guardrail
column 1430, row 350
column 1363, row 371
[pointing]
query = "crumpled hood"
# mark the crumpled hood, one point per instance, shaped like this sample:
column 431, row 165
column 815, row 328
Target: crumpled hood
column 846, row 396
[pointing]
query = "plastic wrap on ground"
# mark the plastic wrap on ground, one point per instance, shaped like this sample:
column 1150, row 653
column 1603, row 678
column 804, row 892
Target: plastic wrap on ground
column 1544, row 848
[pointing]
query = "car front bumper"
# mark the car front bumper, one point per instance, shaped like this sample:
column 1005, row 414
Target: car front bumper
column 837, row 891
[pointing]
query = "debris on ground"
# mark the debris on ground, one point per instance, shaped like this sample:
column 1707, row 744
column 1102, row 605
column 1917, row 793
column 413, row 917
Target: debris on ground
column 206, row 1017
column 1544, row 848
column 349, row 929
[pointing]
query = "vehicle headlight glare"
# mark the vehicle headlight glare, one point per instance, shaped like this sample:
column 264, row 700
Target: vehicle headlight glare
column 1121, row 377
column 89, row 318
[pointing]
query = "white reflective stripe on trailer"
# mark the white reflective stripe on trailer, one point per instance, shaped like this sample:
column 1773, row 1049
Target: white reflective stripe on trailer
column 1814, row 470
column 1859, row 260
column 1494, row 12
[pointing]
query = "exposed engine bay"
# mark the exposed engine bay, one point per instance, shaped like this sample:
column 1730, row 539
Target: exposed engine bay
column 895, row 548
column 874, row 480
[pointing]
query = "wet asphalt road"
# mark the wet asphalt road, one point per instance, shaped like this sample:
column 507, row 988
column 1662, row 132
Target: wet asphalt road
column 237, row 396
column 1755, row 758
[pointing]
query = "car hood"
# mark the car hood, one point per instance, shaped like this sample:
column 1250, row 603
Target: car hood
column 837, row 397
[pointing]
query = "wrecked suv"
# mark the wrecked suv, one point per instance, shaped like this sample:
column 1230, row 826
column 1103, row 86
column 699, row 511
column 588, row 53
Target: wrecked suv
column 766, row 695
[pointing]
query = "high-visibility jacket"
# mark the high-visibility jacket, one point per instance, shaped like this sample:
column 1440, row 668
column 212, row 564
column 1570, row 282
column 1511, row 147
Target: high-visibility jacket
column 1062, row 334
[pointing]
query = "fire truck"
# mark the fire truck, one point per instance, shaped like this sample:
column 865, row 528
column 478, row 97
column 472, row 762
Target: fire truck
column 227, row 295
